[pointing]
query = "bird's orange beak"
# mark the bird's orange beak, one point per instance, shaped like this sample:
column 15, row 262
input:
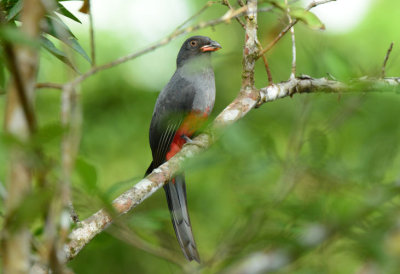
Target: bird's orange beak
column 213, row 46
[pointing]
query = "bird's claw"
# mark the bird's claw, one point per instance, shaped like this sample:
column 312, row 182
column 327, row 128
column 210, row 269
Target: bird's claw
column 186, row 138
column 191, row 142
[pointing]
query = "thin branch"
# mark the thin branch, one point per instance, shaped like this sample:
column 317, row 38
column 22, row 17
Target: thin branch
column 224, row 19
column 268, row 9
column 383, row 73
column 49, row 85
column 270, row 81
column 293, row 74
column 91, row 31
column 313, row 4
column 226, row 3
column 288, row 27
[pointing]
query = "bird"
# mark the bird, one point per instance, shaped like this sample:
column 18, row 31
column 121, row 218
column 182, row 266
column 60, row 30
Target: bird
column 182, row 107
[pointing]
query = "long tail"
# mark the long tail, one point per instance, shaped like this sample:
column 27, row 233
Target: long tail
column 177, row 204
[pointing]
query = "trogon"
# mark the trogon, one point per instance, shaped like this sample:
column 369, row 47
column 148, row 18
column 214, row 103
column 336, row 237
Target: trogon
column 181, row 108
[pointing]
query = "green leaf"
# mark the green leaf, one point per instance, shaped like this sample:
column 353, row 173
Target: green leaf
column 87, row 172
column 73, row 43
column 14, row 11
column 62, row 10
column 52, row 49
column 307, row 17
column 56, row 28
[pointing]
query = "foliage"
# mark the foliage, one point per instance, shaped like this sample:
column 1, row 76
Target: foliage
column 314, row 177
column 53, row 26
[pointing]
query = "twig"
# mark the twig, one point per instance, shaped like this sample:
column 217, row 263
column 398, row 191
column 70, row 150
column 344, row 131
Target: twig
column 226, row 3
column 270, row 81
column 225, row 18
column 49, row 85
column 313, row 4
column 268, row 9
column 383, row 73
column 288, row 27
column 293, row 74
column 91, row 31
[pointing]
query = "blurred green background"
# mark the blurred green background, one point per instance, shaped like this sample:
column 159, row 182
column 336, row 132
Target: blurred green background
column 314, row 164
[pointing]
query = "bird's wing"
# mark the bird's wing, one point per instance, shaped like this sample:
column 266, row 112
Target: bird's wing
column 173, row 105
column 165, row 140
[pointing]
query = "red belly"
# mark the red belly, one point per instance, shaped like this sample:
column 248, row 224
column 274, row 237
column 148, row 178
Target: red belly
column 189, row 126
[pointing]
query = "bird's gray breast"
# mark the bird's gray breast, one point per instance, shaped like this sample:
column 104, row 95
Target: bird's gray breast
column 203, row 82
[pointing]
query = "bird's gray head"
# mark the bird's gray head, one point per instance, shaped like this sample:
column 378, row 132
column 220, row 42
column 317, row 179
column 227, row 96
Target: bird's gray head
column 196, row 46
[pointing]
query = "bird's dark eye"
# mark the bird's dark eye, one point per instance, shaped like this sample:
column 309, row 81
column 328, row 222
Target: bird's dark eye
column 193, row 43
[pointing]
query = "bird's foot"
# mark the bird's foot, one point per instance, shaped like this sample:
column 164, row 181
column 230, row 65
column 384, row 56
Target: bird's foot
column 191, row 142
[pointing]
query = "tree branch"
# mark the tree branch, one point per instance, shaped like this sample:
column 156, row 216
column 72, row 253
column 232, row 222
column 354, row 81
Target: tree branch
column 248, row 98
column 95, row 224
